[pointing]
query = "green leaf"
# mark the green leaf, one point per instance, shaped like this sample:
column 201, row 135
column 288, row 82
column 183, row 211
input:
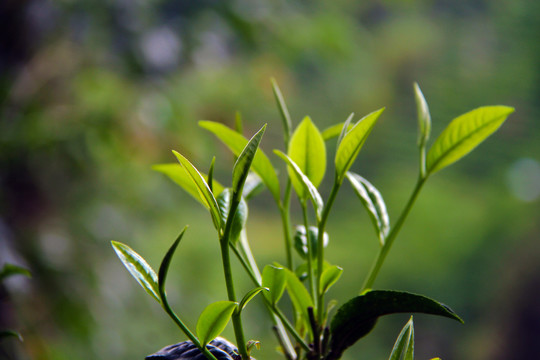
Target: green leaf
column 243, row 163
column 352, row 142
column 334, row 131
column 329, row 277
column 240, row 216
column 463, row 134
column 285, row 117
column 165, row 263
column 356, row 318
column 301, row 244
column 250, row 295
column 373, row 202
column 210, row 177
column 308, row 151
column 236, row 143
column 314, row 195
column 404, row 345
column 345, row 128
column 176, row 173
column 10, row 269
column 209, row 201
column 138, row 268
column 299, row 295
column 213, row 320
column 253, row 186
column 424, row 118
column 273, row 278
column 10, row 333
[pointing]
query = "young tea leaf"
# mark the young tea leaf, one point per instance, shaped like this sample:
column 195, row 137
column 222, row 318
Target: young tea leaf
column 301, row 240
column 213, row 320
column 10, row 269
column 165, row 263
column 373, row 202
column 177, row 174
column 240, row 216
column 329, row 277
column 285, row 117
column 463, row 134
column 204, row 191
column 345, row 128
column 274, row 279
column 236, row 143
column 138, row 268
column 424, row 118
column 356, row 318
column 308, row 151
column 309, row 189
column 333, row 131
column 352, row 142
column 404, row 345
column 299, row 295
column 243, row 163
column 250, row 295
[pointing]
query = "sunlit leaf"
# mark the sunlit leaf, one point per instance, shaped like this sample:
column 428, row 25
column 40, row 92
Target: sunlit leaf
column 273, row 278
column 285, row 117
column 329, row 277
column 10, row 269
column 334, row 131
column 352, row 142
column 356, row 318
column 213, row 320
column 424, row 118
column 308, row 151
column 165, row 263
column 250, row 295
column 176, row 173
column 253, row 186
column 404, row 345
column 138, row 268
column 204, row 191
column 463, row 134
column 240, row 217
column 373, row 202
column 243, row 163
column 236, row 143
column 310, row 189
column 345, row 128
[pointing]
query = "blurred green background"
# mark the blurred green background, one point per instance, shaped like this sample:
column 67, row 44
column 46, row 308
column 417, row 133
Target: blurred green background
column 92, row 93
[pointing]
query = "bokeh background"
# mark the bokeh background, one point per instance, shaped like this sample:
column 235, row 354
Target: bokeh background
column 92, row 93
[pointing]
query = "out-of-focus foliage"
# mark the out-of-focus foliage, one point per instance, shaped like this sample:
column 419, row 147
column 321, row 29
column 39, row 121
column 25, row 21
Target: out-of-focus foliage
column 93, row 93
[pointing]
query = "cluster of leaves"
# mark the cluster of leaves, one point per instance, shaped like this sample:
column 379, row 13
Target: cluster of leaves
column 314, row 335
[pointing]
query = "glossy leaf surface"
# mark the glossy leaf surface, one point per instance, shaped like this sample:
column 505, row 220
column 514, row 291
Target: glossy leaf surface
column 301, row 240
column 309, row 189
column 356, row 318
column 463, row 134
column 352, row 142
column 177, row 174
column 240, row 216
column 333, row 131
column 273, row 278
column 250, row 295
column 209, row 201
column 308, row 151
column 424, row 118
column 373, row 202
column 236, row 143
column 243, row 163
column 298, row 293
column 329, row 277
column 138, row 268
column 404, row 345
column 213, row 320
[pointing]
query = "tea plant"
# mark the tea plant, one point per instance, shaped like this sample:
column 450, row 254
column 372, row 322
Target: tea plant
column 311, row 334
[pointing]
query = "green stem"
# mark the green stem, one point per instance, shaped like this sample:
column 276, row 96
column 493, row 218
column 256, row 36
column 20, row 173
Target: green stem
column 320, row 249
column 284, row 208
column 183, row 327
column 290, row 328
column 310, row 274
column 383, row 252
